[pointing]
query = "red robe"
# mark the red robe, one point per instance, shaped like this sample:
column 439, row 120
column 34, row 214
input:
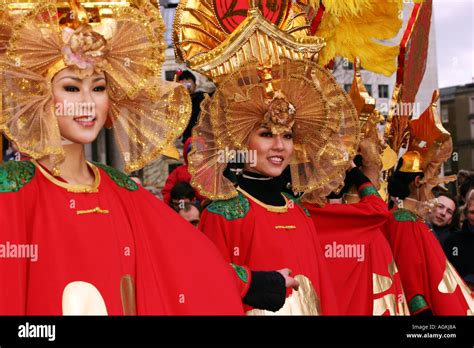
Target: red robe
column 138, row 255
column 358, row 256
column 429, row 280
column 250, row 235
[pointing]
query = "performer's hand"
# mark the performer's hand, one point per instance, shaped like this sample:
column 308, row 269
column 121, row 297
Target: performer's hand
column 290, row 282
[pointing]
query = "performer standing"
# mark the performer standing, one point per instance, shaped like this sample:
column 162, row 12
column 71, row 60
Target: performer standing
column 81, row 237
column 272, row 109
column 358, row 256
column 430, row 282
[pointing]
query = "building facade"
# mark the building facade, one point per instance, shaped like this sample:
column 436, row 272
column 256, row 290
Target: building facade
column 457, row 116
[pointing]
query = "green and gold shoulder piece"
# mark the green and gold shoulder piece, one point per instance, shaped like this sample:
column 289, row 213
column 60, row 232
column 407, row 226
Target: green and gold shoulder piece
column 231, row 209
column 15, row 174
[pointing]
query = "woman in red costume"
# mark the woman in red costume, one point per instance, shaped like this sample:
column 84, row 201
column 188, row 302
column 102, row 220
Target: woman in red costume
column 431, row 284
column 357, row 254
column 81, row 237
column 267, row 117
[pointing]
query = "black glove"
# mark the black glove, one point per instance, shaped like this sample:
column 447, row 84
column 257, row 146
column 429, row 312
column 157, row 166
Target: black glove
column 267, row 291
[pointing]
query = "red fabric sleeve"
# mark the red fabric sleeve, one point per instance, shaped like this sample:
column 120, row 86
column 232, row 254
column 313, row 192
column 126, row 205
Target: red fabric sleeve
column 369, row 213
column 225, row 234
column 423, row 267
column 188, row 263
column 14, row 231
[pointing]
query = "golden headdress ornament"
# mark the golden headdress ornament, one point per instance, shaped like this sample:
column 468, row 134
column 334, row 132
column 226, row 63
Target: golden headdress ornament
column 430, row 145
column 266, row 73
column 122, row 39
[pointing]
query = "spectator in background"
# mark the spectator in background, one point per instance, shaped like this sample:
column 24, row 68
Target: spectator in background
column 181, row 193
column 180, row 174
column 187, row 79
column 465, row 183
column 190, row 213
column 442, row 219
column 459, row 247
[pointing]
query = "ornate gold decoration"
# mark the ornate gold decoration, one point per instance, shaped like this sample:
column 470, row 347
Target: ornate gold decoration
column 96, row 210
column 70, row 187
column 449, row 283
column 265, row 75
column 430, row 145
column 197, row 28
column 123, row 40
column 325, row 129
column 255, row 39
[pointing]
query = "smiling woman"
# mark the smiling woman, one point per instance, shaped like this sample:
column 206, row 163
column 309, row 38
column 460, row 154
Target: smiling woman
column 101, row 243
column 91, row 104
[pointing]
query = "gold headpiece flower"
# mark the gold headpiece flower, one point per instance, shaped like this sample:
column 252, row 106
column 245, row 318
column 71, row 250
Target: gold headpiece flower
column 122, row 39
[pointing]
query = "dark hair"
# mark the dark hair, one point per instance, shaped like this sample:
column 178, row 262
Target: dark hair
column 465, row 184
column 182, row 190
column 186, row 74
column 187, row 207
column 399, row 182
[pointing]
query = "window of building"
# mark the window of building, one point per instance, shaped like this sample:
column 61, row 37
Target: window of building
column 471, row 105
column 472, row 129
column 444, row 114
column 347, row 87
column 383, row 91
column 369, row 89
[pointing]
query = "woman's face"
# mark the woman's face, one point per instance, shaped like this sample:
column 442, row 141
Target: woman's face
column 273, row 151
column 81, row 105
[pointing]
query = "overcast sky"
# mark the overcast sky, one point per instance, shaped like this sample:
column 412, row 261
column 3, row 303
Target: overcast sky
column 454, row 27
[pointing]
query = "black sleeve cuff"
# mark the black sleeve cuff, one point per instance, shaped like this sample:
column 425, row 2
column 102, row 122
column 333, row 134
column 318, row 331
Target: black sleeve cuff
column 267, row 291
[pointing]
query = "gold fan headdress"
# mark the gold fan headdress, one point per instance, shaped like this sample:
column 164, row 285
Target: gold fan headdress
column 122, row 39
column 265, row 74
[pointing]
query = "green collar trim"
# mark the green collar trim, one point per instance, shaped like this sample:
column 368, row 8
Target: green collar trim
column 121, row 179
column 369, row 191
column 298, row 202
column 403, row 215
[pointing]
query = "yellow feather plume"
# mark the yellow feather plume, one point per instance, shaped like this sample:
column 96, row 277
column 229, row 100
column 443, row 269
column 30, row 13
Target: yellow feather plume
column 354, row 28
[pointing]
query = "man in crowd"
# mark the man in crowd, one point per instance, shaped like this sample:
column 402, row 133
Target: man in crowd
column 441, row 219
column 459, row 247
column 190, row 213
column 187, row 79
column 181, row 194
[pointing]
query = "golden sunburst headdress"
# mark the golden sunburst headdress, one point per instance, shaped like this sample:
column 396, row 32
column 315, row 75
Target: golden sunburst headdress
column 266, row 72
column 122, row 39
